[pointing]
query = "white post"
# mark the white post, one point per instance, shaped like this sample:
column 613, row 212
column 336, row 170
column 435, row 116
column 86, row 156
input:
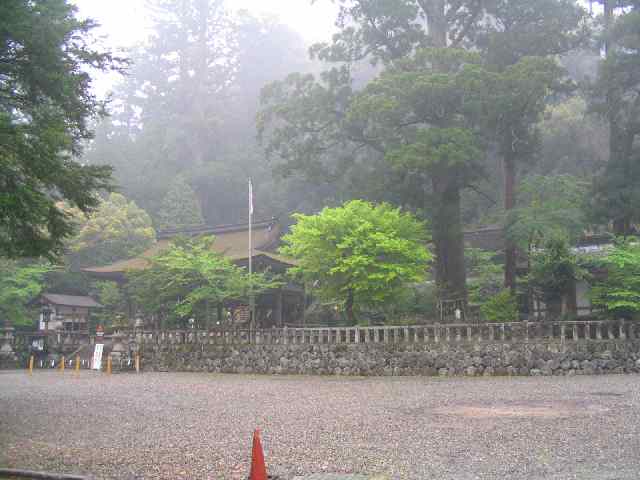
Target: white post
column 252, row 326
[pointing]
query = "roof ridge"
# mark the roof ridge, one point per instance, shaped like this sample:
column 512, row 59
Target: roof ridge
column 168, row 233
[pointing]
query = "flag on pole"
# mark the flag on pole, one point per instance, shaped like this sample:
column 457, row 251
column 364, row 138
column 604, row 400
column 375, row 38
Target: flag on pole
column 250, row 198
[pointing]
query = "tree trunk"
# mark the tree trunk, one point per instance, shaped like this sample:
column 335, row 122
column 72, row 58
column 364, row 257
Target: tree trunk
column 450, row 273
column 620, row 143
column 620, row 153
column 608, row 15
column 348, row 307
column 572, row 299
column 219, row 318
column 437, row 22
column 509, row 204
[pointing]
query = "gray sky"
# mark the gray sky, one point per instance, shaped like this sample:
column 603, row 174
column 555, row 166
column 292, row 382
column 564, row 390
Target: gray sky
column 126, row 22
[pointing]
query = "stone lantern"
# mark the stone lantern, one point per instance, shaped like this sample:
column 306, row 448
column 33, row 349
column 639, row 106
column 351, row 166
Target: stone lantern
column 7, row 355
column 118, row 349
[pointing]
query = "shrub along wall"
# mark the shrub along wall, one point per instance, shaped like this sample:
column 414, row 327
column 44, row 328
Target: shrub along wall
column 472, row 359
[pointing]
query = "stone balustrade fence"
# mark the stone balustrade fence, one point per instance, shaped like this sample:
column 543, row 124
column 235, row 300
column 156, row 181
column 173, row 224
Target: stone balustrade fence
column 563, row 331
column 517, row 348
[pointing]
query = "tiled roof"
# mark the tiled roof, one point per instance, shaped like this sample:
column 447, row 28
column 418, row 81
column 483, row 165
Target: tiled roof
column 230, row 240
column 71, row 300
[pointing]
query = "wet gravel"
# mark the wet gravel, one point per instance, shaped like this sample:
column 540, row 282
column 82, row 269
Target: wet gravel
column 197, row 426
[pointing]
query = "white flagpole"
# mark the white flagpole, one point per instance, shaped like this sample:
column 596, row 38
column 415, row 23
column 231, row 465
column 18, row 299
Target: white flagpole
column 251, row 299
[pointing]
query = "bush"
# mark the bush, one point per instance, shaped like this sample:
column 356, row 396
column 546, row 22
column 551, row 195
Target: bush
column 502, row 307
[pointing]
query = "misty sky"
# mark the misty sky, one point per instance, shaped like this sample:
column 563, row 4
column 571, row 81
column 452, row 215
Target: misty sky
column 126, row 22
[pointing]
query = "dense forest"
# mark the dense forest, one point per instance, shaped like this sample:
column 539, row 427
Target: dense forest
column 516, row 114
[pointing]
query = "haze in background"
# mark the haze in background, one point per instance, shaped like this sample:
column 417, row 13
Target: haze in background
column 313, row 22
column 120, row 31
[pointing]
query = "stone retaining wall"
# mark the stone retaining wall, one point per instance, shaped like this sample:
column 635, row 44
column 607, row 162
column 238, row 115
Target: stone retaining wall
column 491, row 358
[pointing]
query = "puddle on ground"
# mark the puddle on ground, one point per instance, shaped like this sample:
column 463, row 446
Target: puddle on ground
column 529, row 409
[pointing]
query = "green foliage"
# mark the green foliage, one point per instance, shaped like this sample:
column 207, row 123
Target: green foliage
column 326, row 129
column 384, row 30
column 619, row 291
column 614, row 97
column 510, row 102
column 112, row 297
column 46, row 103
column 20, row 282
column 117, row 230
column 501, row 307
column 361, row 255
column 188, row 274
column 188, row 108
column 180, row 207
column 485, row 275
column 548, row 207
column 554, row 270
column 524, row 28
column 574, row 142
column 416, row 111
column 414, row 303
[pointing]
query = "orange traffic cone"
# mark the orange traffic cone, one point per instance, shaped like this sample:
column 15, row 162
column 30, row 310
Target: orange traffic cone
column 258, row 468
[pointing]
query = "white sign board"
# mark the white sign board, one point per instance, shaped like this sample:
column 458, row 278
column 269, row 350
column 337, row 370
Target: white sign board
column 97, row 357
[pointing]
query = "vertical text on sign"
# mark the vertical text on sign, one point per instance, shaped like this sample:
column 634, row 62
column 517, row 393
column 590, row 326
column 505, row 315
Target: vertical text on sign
column 97, row 357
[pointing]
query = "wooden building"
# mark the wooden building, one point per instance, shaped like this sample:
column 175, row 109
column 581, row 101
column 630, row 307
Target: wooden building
column 65, row 312
column 578, row 302
column 278, row 307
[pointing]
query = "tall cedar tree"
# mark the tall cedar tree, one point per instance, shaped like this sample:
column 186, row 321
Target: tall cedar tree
column 309, row 127
column 617, row 99
column 522, row 30
column 307, row 118
column 45, row 105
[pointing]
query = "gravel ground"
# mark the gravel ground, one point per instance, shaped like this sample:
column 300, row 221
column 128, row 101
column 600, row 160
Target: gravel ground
column 196, row 426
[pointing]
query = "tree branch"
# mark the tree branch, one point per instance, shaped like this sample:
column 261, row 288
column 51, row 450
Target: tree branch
column 468, row 24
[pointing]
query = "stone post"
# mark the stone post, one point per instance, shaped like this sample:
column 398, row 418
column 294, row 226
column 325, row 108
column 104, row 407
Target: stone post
column 623, row 334
column 610, row 334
